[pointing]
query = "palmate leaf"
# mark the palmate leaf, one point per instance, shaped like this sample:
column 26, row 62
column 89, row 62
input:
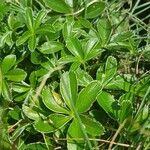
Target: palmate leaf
column 74, row 46
column 75, row 131
column 58, row 6
column 83, row 77
column 87, row 96
column 105, row 75
column 52, row 123
column 1, row 77
column 20, row 87
column 125, row 110
column 66, row 59
column 95, row 9
column 7, row 63
column 68, row 88
column 39, row 18
column 16, row 75
column 104, row 30
column 30, row 113
column 23, row 38
column 6, row 91
column 18, row 132
column 91, row 50
column 45, row 28
column 51, row 103
column 51, row 47
column 110, row 68
column 32, row 42
column 107, row 102
column 67, row 29
column 37, row 146
column 29, row 18
column 92, row 127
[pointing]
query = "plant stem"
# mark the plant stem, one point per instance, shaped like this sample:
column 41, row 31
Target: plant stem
column 42, row 84
column 135, row 6
column 80, row 122
column 45, row 141
column 93, row 139
column 142, row 103
column 116, row 134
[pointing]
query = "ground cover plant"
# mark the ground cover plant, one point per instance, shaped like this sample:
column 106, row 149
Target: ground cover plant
column 74, row 74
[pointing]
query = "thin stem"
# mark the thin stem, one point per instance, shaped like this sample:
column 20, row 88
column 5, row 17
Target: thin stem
column 10, row 129
column 93, row 139
column 135, row 6
column 145, row 17
column 79, row 121
column 56, row 62
column 137, row 64
column 85, row 12
column 142, row 5
column 116, row 134
column 147, row 146
column 140, row 22
column 45, row 141
column 82, row 9
column 142, row 103
column 42, row 84
column 141, row 11
column 139, row 147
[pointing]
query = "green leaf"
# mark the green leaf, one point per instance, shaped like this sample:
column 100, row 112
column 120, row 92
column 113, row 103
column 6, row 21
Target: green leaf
column 18, row 132
column 16, row 75
column 58, row 6
column 93, row 54
column 91, row 44
column 67, row 29
column 21, row 96
column 1, row 77
column 6, row 91
column 107, row 102
column 91, row 49
column 37, row 146
column 68, row 88
column 119, row 82
column 122, row 36
column 32, row 43
column 20, row 88
column 51, row 102
column 23, row 38
column 51, row 47
column 41, row 15
column 104, row 30
column 52, row 123
column 125, row 110
column 44, row 29
column 110, row 68
column 83, row 77
column 87, row 96
column 66, row 59
column 30, row 113
column 92, row 127
column 75, row 65
column 37, row 58
column 75, row 131
column 15, row 113
column 29, row 18
column 75, row 47
column 86, row 23
column 95, row 9
column 7, row 63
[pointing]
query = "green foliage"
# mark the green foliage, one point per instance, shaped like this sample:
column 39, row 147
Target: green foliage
column 74, row 73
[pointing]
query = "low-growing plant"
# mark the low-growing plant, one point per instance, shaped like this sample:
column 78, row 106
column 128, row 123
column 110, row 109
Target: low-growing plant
column 74, row 75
